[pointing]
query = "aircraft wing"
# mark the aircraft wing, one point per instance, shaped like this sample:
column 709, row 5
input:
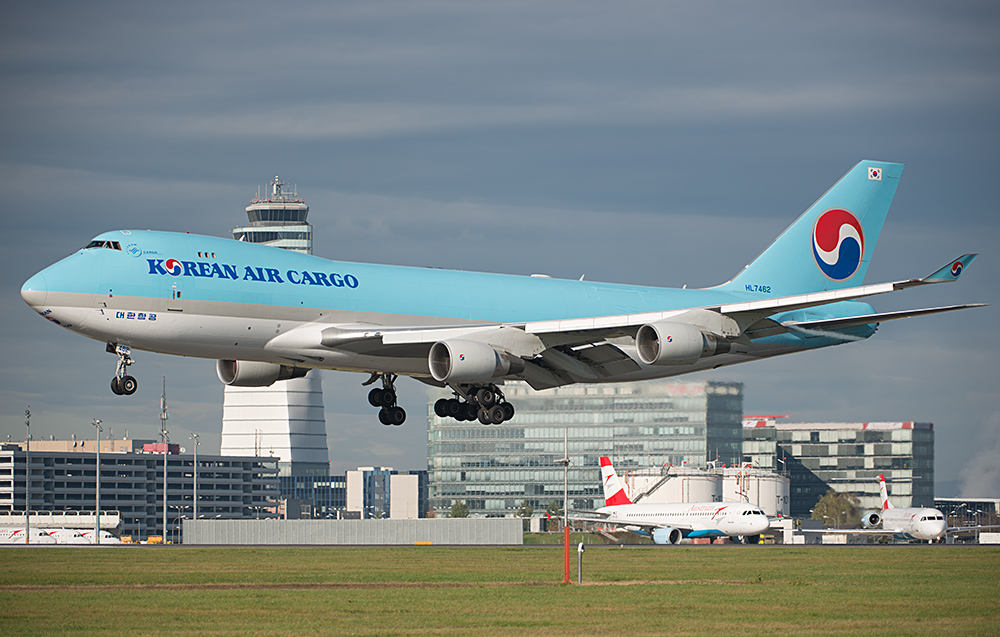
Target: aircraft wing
column 562, row 351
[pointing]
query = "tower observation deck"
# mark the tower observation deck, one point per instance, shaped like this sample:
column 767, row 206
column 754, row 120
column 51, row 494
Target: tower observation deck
column 278, row 220
column 285, row 420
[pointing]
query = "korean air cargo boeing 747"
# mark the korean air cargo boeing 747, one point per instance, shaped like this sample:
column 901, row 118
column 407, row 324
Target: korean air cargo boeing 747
column 267, row 314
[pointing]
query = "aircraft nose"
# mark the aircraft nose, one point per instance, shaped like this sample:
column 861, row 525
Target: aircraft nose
column 35, row 290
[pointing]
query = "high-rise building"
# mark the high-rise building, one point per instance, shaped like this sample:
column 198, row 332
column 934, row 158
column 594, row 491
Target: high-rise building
column 285, row 420
column 493, row 469
column 847, row 458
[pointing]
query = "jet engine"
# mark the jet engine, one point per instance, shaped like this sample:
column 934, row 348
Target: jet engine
column 666, row 535
column 871, row 519
column 461, row 361
column 255, row 374
column 666, row 343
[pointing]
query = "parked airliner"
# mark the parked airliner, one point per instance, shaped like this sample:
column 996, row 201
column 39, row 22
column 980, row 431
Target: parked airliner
column 669, row 523
column 268, row 314
column 905, row 523
column 17, row 535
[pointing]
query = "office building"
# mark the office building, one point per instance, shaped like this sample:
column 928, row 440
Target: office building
column 494, row 468
column 846, row 457
column 63, row 478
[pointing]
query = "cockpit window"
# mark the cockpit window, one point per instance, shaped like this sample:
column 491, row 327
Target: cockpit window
column 110, row 245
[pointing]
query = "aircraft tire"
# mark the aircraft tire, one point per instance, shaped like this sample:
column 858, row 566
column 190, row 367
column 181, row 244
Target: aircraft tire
column 484, row 416
column 508, row 411
column 375, row 397
column 397, row 416
column 486, row 397
column 496, row 415
column 454, row 408
column 114, row 386
column 128, row 385
column 383, row 417
column 441, row 408
column 471, row 411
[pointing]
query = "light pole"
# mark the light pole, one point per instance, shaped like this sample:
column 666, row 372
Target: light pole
column 197, row 442
column 27, row 476
column 163, row 435
column 97, row 475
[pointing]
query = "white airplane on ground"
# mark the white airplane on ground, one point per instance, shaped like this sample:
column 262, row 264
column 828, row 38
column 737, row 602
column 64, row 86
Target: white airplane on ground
column 16, row 535
column 68, row 536
column 106, row 537
column 269, row 314
column 669, row 523
column 905, row 523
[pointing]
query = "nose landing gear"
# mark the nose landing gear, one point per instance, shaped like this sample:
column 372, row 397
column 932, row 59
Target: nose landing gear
column 123, row 384
column 385, row 398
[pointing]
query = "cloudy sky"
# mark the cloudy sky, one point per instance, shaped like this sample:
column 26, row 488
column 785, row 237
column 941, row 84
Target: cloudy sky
column 656, row 143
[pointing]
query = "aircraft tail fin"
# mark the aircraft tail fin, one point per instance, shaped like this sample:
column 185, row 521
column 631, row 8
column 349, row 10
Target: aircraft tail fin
column 614, row 492
column 829, row 247
column 884, row 493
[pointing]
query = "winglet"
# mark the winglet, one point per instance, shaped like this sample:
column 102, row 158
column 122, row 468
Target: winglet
column 951, row 271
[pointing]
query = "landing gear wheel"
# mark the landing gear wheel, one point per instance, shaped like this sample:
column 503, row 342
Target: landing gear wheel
column 114, row 386
column 375, row 397
column 508, row 411
column 484, row 416
column 383, row 416
column 396, row 416
column 486, row 397
column 454, row 408
column 496, row 414
column 441, row 408
column 128, row 385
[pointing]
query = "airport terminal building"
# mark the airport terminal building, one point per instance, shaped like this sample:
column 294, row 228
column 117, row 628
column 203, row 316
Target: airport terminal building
column 846, row 457
column 62, row 478
column 494, row 468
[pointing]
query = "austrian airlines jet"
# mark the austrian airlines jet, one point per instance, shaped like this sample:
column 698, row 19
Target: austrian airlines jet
column 906, row 523
column 668, row 523
column 268, row 314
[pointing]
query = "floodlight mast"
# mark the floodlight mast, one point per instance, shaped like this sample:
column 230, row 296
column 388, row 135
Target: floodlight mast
column 97, row 496
column 27, row 476
column 197, row 442
column 163, row 435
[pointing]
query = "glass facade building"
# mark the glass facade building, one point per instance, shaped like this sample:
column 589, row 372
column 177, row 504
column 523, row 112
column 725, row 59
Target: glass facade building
column 846, row 457
column 494, row 468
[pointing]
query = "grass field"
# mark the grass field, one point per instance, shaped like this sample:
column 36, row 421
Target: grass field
column 681, row 590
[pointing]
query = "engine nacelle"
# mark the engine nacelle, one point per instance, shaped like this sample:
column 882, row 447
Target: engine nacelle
column 460, row 361
column 666, row 535
column 871, row 519
column 667, row 343
column 254, row 373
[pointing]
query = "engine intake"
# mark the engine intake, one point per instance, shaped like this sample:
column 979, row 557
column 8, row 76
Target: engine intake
column 666, row 343
column 666, row 535
column 460, row 361
column 870, row 520
column 254, row 373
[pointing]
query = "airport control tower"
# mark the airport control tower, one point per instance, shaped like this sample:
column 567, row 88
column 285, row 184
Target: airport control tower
column 285, row 420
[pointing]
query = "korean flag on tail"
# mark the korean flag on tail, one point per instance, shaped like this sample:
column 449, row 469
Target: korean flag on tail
column 874, row 173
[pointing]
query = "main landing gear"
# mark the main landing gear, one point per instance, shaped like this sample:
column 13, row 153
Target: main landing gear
column 482, row 402
column 385, row 398
column 123, row 384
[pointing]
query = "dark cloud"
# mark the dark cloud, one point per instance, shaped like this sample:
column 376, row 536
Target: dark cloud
column 654, row 143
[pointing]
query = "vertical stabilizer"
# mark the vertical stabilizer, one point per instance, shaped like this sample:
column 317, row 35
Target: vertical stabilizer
column 614, row 492
column 830, row 246
column 884, row 493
